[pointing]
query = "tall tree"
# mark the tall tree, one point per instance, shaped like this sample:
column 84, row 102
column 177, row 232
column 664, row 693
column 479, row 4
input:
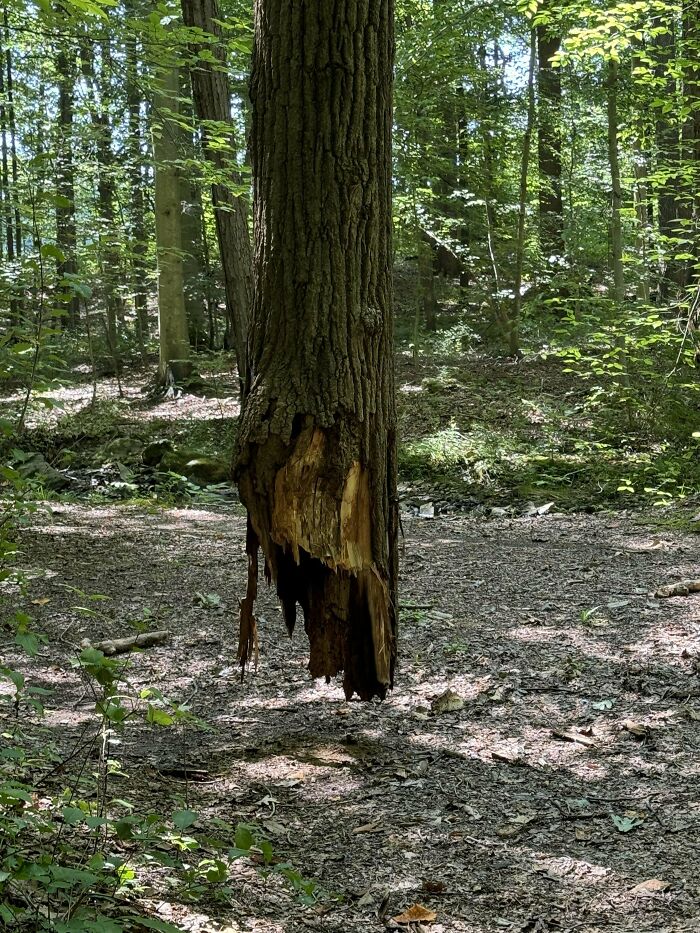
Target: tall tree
column 137, row 222
column 549, row 140
column 316, row 456
column 100, row 92
column 212, row 100
column 172, row 318
column 66, row 237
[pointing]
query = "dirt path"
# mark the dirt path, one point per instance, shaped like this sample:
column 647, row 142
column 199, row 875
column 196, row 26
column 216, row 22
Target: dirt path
column 530, row 808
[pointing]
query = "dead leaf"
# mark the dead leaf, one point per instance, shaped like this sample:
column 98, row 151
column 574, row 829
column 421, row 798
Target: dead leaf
column 571, row 736
column 433, row 887
column 447, row 702
column 514, row 826
column 415, row 914
column 510, row 756
column 638, row 730
column 367, row 828
column 41, row 602
column 651, row 886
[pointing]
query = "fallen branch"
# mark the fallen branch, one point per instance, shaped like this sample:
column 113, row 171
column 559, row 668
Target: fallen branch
column 684, row 588
column 112, row 646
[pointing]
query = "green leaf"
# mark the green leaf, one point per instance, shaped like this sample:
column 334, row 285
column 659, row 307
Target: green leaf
column 184, row 818
column 158, row 716
column 243, row 838
column 72, row 815
column 29, row 642
column 51, row 251
column 623, row 824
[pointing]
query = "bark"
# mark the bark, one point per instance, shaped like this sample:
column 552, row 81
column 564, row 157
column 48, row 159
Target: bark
column 549, row 142
column 66, row 68
column 172, row 319
column 137, row 223
column 673, row 208
column 109, row 245
column 616, row 185
column 193, row 261
column 212, row 100
column 12, row 125
column 191, row 218
column 514, row 331
column 316, row 455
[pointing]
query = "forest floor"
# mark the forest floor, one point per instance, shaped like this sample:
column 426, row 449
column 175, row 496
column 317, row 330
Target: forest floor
column 554, row 788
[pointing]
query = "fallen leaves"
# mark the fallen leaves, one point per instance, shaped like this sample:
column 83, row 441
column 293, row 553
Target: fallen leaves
column 515, row 826
column 650, row 886
column 447, row 702
column 636, row 729
column 569, row 735
column 415, row 914
column 367, row 828
column 682, row 588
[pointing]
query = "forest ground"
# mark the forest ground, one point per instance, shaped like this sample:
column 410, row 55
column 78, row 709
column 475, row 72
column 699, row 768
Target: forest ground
column 554, row 789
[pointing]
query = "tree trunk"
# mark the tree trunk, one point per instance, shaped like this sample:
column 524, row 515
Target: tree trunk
column 212, row 100
column 66, row 68
column 172, row 318
column 12, row 125
column 668, row 167
column 137, row 223
column 549, row 143
column 316, row 455
column 109, row 245
column 616, row 184
column 514, row 331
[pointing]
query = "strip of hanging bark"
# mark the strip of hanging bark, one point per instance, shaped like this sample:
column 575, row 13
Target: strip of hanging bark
column 248, row 628
column 112, row 646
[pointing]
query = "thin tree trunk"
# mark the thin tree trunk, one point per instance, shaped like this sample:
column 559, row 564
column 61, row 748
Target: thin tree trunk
column 110, row 254
column 668, row 155
column 137, row 224
column 616, row 183
column 549, row 142
column 514, row 334
column 316, row 456
column 12, row 123
column 66, row 237
column 175, row 364
column 212, row 100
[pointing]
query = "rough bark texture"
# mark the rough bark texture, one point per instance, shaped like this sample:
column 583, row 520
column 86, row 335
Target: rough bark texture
column 616, row 184
column 111, row 273
column 212, row 101
column 549, row 142
column 172, row 319
column 66, row 68
column 316, row 463
column 137, row 223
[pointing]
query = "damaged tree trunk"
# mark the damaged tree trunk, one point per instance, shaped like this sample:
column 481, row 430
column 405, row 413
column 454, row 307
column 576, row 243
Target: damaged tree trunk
column 316, row 457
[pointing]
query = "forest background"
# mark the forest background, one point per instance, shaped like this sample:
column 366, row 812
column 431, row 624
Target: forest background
column 546, row 211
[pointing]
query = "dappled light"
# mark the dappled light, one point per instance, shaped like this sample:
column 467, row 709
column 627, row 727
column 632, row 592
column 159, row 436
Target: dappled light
column 349, row 466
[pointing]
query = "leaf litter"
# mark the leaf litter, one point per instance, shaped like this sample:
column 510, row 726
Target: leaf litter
column 541, row 777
